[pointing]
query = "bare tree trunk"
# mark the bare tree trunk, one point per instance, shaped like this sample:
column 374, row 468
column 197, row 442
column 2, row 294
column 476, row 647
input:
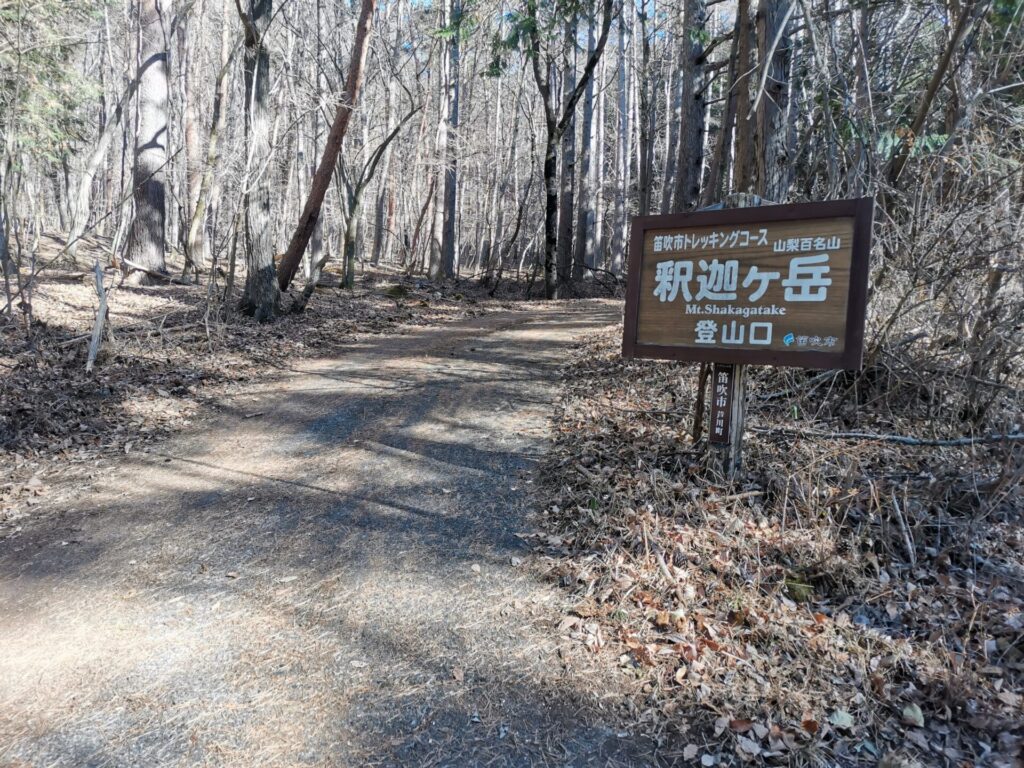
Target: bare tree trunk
column 260, row 295
column 7, row 265
column 690, row 157
column 555, row 125
column 584, row 246
column 772, row 153
column 82, row 195
column 322, row 177
column 349, row 243
column 316, row 240
column 597, row 151
column 550, row 214
column 713, row 189
column 419, row 222
column 437, row 210
column 146, row 242
column 449, row 236
column 192, row 66
column 197, row 226
column 674, row 111
column 384, row 197
column 744, row 168
column 495, row 221
column 441, row 146
column 567, row 182
column 646, row 86
column 623, row 154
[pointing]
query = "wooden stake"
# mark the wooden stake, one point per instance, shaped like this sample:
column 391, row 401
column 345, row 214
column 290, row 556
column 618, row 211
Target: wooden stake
column 728, row 414
column 101, row 315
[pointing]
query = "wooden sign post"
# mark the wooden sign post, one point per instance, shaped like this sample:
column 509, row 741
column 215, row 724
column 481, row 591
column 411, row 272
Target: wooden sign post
column 729, row 390
column 768, row 285
column 728, row 414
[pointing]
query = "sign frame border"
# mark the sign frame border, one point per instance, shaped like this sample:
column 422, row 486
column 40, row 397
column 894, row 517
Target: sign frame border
column 860, row 209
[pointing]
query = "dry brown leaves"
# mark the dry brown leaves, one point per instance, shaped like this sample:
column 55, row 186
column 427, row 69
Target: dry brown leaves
column 847, row 603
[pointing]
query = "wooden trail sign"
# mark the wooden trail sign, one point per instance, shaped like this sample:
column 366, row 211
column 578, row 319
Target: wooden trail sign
column 771, row 285
column 765, row 285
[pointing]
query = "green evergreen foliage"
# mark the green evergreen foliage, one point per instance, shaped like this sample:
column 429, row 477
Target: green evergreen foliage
column 42, row 92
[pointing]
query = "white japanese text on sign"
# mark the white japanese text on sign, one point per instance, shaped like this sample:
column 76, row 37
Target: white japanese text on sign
column 778, row 286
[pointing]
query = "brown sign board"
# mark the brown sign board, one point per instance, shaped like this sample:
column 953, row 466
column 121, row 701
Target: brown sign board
column 768, row 285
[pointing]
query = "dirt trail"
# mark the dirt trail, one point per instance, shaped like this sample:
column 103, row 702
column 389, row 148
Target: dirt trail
column 325, row 572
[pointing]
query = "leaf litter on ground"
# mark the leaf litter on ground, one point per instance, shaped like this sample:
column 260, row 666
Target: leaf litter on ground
column 843, row 603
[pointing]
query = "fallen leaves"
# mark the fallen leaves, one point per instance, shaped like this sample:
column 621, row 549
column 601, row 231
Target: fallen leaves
column 784, row 616
column 808, row 723
column 748, row 746
column 912, row 715
column 842, row 720
column 741, row 726
column 643, row 653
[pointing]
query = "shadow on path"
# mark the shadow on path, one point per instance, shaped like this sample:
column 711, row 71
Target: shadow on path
column 328, row 572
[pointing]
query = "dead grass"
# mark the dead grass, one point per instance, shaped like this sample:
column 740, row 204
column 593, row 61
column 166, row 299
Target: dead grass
column 848, row 602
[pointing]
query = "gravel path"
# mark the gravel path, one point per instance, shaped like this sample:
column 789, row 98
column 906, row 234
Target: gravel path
column 326, row 571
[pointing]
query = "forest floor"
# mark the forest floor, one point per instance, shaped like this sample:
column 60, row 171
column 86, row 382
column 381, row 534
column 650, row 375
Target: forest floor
column 847, row 601
column 167, row 353
column 315, row 542
column 328, row 565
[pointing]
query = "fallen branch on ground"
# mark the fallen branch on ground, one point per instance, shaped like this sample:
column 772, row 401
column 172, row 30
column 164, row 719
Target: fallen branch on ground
column 901, row 439
column 153, row 273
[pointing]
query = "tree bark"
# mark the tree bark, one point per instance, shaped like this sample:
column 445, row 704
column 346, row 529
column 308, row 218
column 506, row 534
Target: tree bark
column 646, row 86
column 584, row 246
column 623, row 153
column 567, row 181
column 419, row 222
column 385, row 200
column 146, row 240
column 81, row 198
column 744, row 148
column 322, row 177
column 191, row 64
column 772, row 153
column 349, row 242
column 197, row 226
column 441, row 140
column 260, row 295
column 449, row 234
column 597, row 256
column 690, row 157
column 713, row 189
column 674, row 110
